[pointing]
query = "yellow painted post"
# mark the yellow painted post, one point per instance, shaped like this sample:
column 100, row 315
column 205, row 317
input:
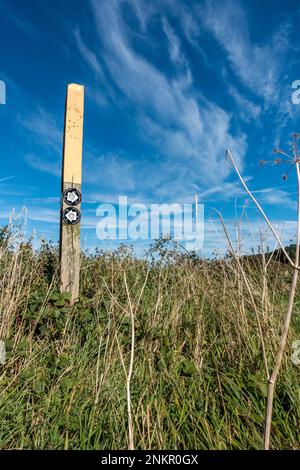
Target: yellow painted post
column 71, row 192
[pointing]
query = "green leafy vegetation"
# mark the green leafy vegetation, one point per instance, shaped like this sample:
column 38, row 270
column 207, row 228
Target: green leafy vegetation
column 197, row 374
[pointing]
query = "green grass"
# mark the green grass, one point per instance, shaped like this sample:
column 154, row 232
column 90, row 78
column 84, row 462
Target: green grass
column 197, row 380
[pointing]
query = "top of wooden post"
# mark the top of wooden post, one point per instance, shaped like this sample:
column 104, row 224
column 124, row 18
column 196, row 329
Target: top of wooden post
column 73, row 134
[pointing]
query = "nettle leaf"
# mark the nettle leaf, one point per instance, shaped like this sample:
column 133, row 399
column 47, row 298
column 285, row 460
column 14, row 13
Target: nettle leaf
column 57, row 313
column 60, row 298
column 46, row 312
column 66, row 295
column 60, row 302
column 55, row 296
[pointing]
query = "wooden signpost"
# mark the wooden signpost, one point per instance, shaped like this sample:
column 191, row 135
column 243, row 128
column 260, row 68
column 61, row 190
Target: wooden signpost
column 71, row 192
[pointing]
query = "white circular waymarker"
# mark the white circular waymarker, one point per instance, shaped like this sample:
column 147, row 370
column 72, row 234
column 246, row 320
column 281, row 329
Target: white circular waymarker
column 71, row 215
column 72, row 196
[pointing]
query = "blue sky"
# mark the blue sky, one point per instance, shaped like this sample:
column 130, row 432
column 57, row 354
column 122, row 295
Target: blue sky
column 169, row 85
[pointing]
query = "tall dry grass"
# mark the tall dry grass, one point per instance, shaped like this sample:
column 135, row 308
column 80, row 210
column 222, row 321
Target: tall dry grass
column 159, row 353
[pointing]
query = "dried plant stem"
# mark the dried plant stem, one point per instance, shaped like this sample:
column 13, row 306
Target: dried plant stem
column 132, row 312
column 279, row 357
column 129, row 373
column 283, row 339
column 261, row 336
column 228, row 153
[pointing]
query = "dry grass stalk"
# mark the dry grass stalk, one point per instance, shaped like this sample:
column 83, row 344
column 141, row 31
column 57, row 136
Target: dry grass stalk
column 272, row 378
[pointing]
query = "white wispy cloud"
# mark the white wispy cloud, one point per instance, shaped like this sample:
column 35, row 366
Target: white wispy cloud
column 43, row 164
column 224, row 191
column 279, row 198
column 42, row 214
column 109, row 171
column 89, row 56
column 95, row 96
column 282, row 196
column 176, row 55
column 45, row 129
column 19, row 20
column 248, row 110
column 251, row 234
column 258, row 65
column 6, row 178
column 37, row 214
column 185, row 128
column 11, row 189
column 44, row 200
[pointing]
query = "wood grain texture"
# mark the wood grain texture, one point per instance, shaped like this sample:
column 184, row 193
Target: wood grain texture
column 71, row 178
column 72, row 162
column 70, row 252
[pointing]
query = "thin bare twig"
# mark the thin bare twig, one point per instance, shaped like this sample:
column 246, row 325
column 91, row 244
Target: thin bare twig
column 228, row 153
column 283, row 340
column 250, row 293
column 284, row 336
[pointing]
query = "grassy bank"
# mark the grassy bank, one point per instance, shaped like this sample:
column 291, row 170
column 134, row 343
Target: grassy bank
column 197, row 373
